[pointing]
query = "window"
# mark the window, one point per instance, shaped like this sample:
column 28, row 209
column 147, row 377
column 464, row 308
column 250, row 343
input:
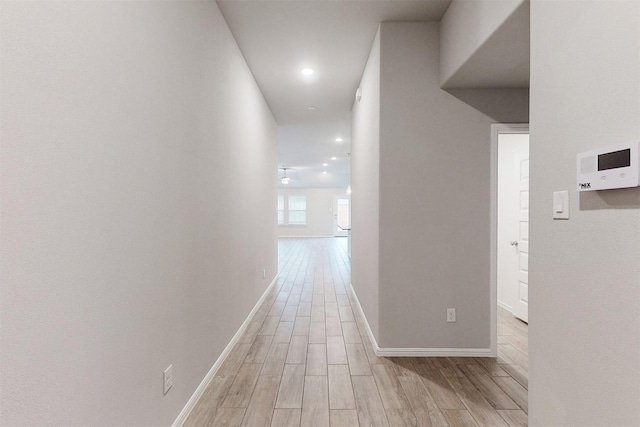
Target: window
column 280, row 209
column 297, row 210
column 292, row 210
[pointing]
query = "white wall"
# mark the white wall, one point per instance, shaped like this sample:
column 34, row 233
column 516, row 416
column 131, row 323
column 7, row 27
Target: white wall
column 485, row 44
column 432, row 197
column 584, row 285
column 511, row 148
column 365, row 184
column 319, row 212
column 125, row 247
column 434, row 204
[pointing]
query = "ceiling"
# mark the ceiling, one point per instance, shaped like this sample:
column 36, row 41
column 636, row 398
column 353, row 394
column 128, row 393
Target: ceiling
column 333, row 37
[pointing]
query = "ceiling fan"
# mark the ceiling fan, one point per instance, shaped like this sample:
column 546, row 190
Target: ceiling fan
column 285, row 179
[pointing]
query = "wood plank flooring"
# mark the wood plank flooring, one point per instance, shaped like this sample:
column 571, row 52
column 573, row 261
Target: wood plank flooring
column 305, row 360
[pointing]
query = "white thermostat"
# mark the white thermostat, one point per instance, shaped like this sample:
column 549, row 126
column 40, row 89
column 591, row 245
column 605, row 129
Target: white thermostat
column 610, row 167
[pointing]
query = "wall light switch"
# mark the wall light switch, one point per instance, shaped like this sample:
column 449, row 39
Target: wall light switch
column 561, row 204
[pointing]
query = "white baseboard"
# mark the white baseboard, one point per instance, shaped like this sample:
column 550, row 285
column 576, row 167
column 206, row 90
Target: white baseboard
column 417, row 352
column 505, row 306
column 434, row 352
column 207, row 379
column 372, row 338
column 304, row 237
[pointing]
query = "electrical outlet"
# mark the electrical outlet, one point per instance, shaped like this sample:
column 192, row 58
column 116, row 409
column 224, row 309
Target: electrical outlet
column 451, row 315
column 168, row 378
column 264, row 273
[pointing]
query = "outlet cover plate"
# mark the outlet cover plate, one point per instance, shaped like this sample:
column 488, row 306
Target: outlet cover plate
column 451, row 315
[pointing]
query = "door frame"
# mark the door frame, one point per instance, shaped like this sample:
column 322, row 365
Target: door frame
column 496, row 130
column 335, row 213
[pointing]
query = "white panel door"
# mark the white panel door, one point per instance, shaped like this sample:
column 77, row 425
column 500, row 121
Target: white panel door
column 511, row 149
column 521, row 307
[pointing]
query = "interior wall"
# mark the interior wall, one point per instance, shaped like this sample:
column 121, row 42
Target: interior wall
column 584, row 287
column 511, row 148
column 365, row 186
column 125, row 247
column 503, row 105
column 485, row 44
column 434, row 231
column 319, row 212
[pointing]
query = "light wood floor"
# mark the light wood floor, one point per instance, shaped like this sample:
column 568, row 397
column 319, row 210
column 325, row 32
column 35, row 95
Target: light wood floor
column 305, row 360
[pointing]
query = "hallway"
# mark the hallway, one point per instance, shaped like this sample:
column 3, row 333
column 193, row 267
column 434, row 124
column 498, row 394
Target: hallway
column 305, row 360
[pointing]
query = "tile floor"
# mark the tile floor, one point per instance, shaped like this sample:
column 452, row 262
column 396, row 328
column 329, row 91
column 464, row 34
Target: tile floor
column 305, row 360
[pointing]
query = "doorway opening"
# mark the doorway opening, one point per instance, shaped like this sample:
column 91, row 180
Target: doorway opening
column 509, row 222
column 341, row 215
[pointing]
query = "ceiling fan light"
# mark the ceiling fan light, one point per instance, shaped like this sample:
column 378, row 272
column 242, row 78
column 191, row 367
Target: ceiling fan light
column 285, row 180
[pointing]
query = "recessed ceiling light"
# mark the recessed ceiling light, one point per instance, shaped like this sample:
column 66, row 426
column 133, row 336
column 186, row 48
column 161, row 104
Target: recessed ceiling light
column 306, row 71
column 311, row 108
column 333, row 158
column 324, row 172
column 338, row 139
column 325, row 164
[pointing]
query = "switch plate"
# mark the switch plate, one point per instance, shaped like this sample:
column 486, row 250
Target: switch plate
column 168, row 378
column 451, row 315
column 264, row 273
column 561, row 204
